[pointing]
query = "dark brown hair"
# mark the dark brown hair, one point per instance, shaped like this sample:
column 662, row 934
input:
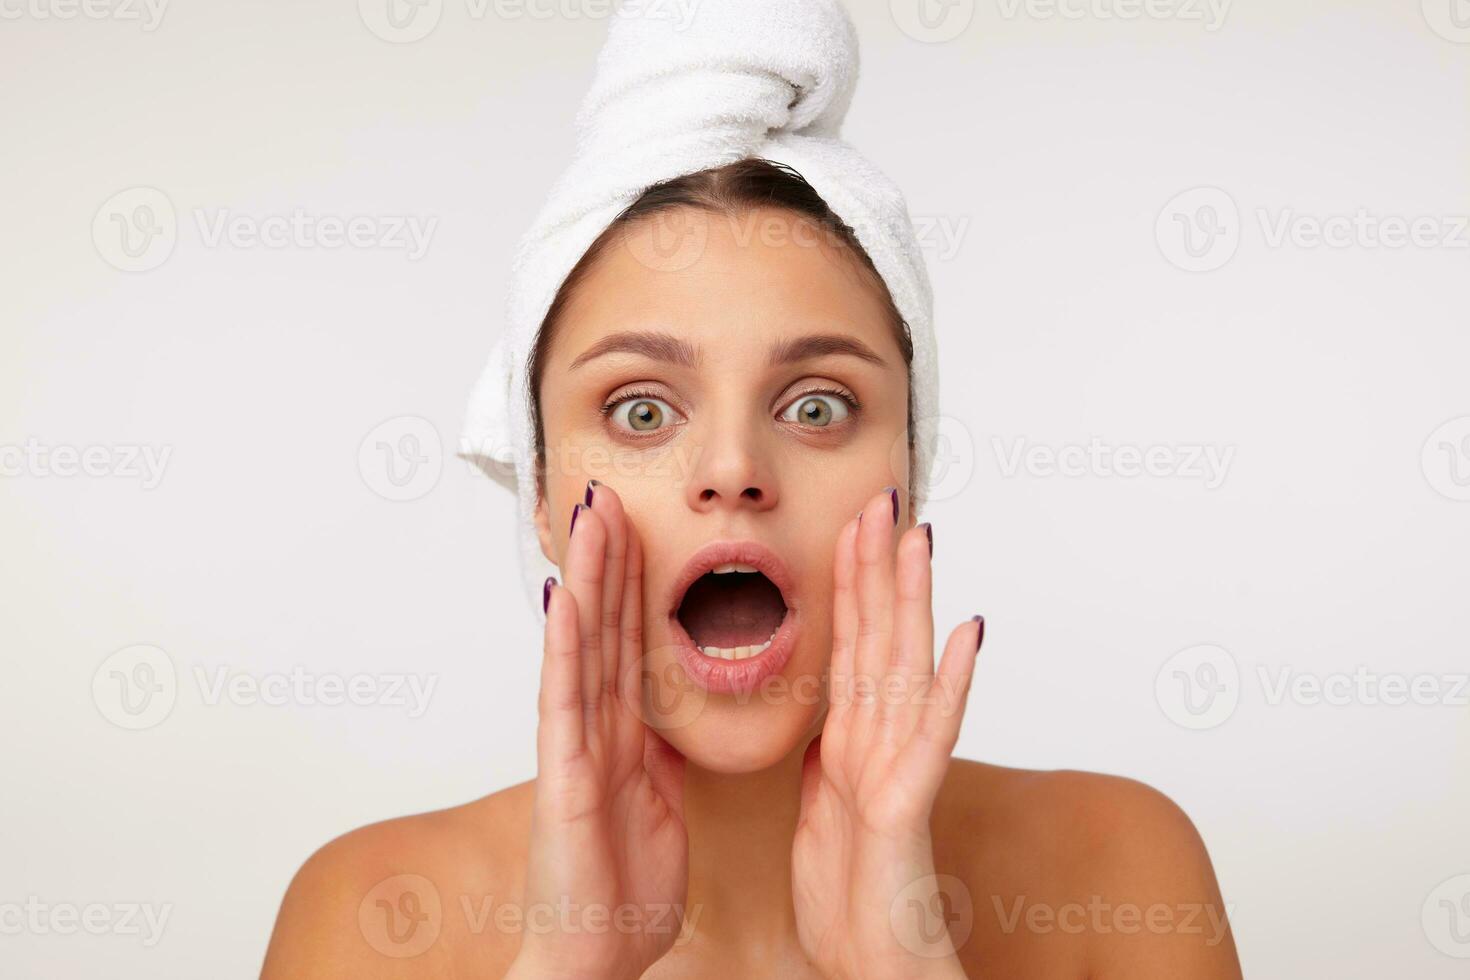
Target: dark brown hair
column 731, row 190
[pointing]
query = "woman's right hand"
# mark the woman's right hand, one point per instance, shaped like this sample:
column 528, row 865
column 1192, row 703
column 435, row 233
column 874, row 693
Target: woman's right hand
column 608, row 845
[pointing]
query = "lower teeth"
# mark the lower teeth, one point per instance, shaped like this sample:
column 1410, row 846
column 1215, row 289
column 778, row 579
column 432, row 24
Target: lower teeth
column 736, row 653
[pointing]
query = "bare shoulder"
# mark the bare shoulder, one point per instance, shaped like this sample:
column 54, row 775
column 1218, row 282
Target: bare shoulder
column 410, row 897
column 1073, row 874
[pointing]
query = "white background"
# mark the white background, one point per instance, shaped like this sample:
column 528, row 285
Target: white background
column 1050, row 145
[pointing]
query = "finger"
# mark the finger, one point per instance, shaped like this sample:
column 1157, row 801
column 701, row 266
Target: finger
column 844, row 619
column 875, row 590
column 583, row 571
column 559, row 704
column 608, row 506
column 939, row 726
column 912, row 663
column 630, row 635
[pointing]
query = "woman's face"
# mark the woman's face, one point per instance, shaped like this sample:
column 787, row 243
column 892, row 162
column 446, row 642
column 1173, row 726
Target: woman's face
column 741, row 386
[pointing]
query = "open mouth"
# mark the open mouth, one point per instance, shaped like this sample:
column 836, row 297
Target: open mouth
column 735, row 615
column 732, row 612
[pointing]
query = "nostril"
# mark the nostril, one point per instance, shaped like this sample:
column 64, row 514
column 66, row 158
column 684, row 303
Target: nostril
column 753, row 493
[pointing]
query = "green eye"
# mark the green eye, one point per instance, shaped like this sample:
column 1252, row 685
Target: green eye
column 641, row 413
column 817, row 410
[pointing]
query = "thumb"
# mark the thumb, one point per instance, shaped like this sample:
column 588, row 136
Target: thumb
column 811, row 774
column 665, row 767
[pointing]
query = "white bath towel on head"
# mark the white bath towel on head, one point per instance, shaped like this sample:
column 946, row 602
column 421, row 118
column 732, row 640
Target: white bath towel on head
column 737, row 79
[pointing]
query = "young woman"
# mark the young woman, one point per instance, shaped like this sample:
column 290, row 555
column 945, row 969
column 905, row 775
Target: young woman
column 744, row 763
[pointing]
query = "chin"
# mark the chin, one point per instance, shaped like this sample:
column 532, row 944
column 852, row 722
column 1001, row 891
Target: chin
column 745, row 738
column 741, row 731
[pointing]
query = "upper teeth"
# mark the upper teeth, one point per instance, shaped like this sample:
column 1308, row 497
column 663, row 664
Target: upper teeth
column 737, row 653
column 732, row 566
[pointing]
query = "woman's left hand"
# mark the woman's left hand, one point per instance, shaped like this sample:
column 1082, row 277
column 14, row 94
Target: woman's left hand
column 867, row 900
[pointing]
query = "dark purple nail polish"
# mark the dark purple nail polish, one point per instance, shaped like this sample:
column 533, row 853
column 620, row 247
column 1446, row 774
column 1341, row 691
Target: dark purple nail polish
column 893, row 494
column 546, row 592
column 575, row 511
column 590, row 485
column 929, row 533
column 979, row 639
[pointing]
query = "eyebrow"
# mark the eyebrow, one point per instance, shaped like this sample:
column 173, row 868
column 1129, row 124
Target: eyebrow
column 660, row 346
column 821, row 345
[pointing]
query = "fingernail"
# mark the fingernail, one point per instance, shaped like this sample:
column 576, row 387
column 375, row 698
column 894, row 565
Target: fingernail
column 546, row 592
column 575, row 511
column 590, row 485
column 980, row 637
column 929, row 533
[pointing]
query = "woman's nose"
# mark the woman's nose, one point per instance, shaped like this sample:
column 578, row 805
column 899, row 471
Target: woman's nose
column 732, row 470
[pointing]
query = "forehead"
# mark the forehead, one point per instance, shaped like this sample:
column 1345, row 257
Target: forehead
column 732, row 284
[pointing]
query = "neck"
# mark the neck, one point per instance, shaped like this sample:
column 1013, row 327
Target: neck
column 740, row 833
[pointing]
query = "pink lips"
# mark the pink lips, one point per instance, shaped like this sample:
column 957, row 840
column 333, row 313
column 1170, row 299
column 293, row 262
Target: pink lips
column 734, row 676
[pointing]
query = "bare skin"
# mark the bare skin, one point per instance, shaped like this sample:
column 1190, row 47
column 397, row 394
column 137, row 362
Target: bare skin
column 769, row 836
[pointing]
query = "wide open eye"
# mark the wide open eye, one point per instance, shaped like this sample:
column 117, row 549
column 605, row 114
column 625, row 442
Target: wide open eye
column 642, row 413
column 817, row 409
